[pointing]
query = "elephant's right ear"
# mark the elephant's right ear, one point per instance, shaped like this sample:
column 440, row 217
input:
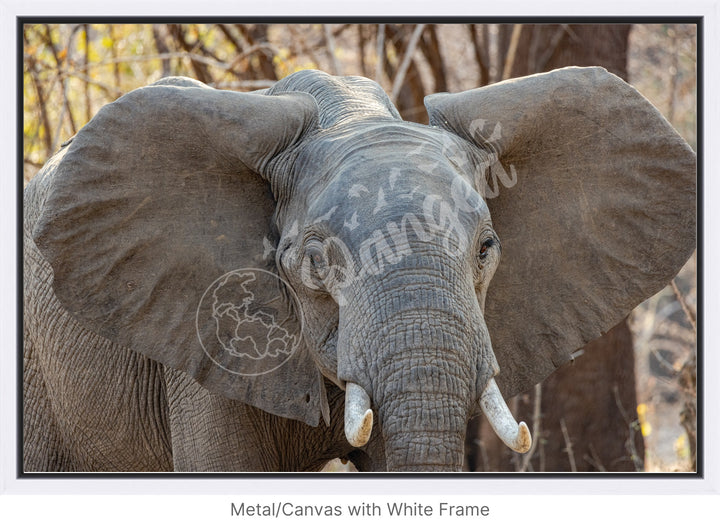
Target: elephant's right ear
column 156, row 198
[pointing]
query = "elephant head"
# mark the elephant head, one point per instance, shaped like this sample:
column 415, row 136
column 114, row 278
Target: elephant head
column 376, row 240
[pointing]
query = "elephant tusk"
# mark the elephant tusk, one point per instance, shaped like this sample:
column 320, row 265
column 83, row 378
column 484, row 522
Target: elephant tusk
column 358, row 415
column 515, row 436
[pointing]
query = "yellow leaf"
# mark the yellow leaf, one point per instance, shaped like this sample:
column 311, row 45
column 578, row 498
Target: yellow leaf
column 641, row 410
column 682, row 447
column 645, row 428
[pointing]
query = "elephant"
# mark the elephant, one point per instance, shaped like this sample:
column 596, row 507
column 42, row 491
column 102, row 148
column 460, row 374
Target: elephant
column 264, row 281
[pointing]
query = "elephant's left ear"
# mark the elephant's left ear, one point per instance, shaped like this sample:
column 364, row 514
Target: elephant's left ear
column 593, row 196
column 157, row 221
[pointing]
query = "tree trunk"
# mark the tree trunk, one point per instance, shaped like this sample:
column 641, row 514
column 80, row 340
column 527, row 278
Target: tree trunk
column 545, row 47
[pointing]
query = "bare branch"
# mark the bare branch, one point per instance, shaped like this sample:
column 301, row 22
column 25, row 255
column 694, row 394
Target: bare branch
column 483, row 454
column 594, row 459
column 225, row 29
column 380, row 51
column 537, row 414
column 338, row 31
column 684, row 305
column 254, row 34
column 550, row 50
column 633, row 426
column 568, row 445
column 174, row 55
column 430, row 47
column 199, row 66
column 361, row 49
column 331, row 51
column 66, row 110
column 113, row 52
column 405, row 64
column 268, row 49
column 159, row 45
column 662, row 361
column 512, row 51
column 481, row 54
column 303, row 46
column 86, row 64
column 113, row 92
column 42, row 106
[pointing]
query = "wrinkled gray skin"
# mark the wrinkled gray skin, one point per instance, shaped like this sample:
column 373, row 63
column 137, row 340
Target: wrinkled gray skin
column 112, row 388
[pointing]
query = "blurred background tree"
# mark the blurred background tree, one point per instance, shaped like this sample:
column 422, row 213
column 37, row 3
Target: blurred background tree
column 644, row 420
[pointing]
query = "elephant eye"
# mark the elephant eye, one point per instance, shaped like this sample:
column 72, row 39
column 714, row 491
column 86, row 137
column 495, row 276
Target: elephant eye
column 314, row 266
column 317, row 259
column 485, row 248
column 315, row 254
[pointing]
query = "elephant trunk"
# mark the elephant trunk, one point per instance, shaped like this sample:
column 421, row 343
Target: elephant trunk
column 423, row 432
column 418, row 354
column 422, row 392
column 423, row 427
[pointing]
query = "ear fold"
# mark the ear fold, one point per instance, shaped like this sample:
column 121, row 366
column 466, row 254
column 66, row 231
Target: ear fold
column 593, row 195
column 156, row 198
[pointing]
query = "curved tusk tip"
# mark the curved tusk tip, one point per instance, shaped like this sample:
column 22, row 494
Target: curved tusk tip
column 362, row 435
column 524, row 439
column 367, row 419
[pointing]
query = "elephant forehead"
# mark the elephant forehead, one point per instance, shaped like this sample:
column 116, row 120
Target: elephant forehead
column 394, row 154
column 364, row 147
column 385, row 176
column 396, row 205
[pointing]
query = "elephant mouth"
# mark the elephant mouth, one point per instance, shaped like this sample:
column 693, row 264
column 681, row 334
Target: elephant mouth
column 359, row 417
